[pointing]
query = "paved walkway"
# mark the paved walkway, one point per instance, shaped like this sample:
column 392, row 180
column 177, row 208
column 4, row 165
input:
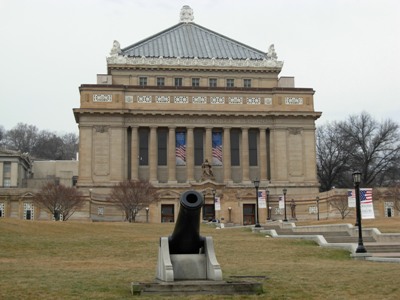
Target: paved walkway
column 382, row 247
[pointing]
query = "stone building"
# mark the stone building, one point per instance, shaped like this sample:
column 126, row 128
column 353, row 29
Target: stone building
column 189, row 108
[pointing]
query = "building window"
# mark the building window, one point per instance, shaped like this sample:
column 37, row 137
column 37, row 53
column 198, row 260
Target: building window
column 230, row 83
column 212, row 82
column 28, row 211
column 253, row 147
column 195, row 82
column 2, row 212
column 247, row 83
column 167, row 213
column 178, row 81
column 143, row 146
column 160, row 81
column 142, row 81
column 198, row 146
column 162, row 146
column 7, row 174
column 235, row 150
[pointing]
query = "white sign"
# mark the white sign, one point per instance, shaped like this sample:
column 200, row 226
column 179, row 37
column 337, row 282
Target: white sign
column 281, row 202
column 367, row 206
column 217, row 203
column 261, row 199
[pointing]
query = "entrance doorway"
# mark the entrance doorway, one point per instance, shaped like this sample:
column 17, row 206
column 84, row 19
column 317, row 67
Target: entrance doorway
column 249, row 214
column 208, row 212
column 167, row 213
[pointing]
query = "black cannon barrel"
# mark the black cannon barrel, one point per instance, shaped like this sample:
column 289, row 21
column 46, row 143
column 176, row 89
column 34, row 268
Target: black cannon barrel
column 186, row 237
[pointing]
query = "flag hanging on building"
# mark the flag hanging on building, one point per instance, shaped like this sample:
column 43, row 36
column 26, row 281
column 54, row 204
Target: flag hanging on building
column 180, row 149
column 261, row 199
column 351, row 198
column 281, row 202
column 217, row 205
column 217, row 148
column 367, row 206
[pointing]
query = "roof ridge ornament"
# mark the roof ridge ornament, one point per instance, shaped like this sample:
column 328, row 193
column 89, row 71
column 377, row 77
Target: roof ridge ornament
column 116, row 49
column 271, row 53
column 186, row 14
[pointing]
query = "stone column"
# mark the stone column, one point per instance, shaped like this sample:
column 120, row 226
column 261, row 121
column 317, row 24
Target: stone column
column 190, row 155
column 135, row 153
column 226, row 149
column 208, row 145
column 263, row 155
column 153, row 157
column 245, row 156
column 171, row 155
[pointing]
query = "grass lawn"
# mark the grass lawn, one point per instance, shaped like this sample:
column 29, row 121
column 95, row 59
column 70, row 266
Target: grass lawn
column 71, row 260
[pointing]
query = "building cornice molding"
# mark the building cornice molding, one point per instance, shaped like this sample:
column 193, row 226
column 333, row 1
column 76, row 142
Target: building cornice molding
column 272, row 64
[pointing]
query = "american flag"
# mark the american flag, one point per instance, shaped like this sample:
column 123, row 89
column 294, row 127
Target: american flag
column 366, row 195
column 180, row 149
column 217, row 148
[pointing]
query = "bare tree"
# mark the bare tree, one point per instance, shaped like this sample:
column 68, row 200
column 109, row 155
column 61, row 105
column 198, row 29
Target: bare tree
column 375, row 147
column 70, row 141
column 132, row 196
column 340, row 202
column 60, row 200
column 22, row 138
column 394, row 193
column 332, row 156
column 2, row 135
column 48, row 146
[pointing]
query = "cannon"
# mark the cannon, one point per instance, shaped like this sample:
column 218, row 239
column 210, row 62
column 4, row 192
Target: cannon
column 185, row 255
column 186, row 238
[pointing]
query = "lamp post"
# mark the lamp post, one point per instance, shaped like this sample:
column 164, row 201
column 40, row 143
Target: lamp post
column 230, row 214
column 257, row 185
column 284, row 202
column 356, row 181
column 268, row 208
column 213, row 192
column 317, row 208
column 147, row 215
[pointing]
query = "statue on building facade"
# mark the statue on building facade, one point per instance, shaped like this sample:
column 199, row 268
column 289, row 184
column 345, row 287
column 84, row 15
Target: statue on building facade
column 116, row 49
column 207, row 171
column 293, row 209
column 271, row 53
column 186, row 14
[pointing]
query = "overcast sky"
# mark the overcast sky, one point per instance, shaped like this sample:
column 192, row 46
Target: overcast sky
column 348, row 51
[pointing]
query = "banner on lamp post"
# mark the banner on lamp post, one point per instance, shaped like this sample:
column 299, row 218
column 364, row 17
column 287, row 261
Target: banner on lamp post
column 217, row 203
column 367, row 206
column 282, row 202
column 261, row 199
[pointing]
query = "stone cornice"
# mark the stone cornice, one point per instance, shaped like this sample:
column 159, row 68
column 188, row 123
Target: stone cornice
column 196, row 118
column 273, row 65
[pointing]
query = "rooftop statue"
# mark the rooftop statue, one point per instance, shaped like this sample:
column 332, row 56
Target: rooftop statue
column 186, row 15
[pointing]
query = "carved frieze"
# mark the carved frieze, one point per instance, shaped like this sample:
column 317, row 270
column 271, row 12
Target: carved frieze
column 217, row 100
column 162, row 61
column 102, row 98
column 163, row 99
column 253, row 100
column 128, row 99
column 294, row 101
column 181, row 99
column 199, row 100
column 268, row 101
column 235, row 100
column 144, row 99
column 294, row 130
